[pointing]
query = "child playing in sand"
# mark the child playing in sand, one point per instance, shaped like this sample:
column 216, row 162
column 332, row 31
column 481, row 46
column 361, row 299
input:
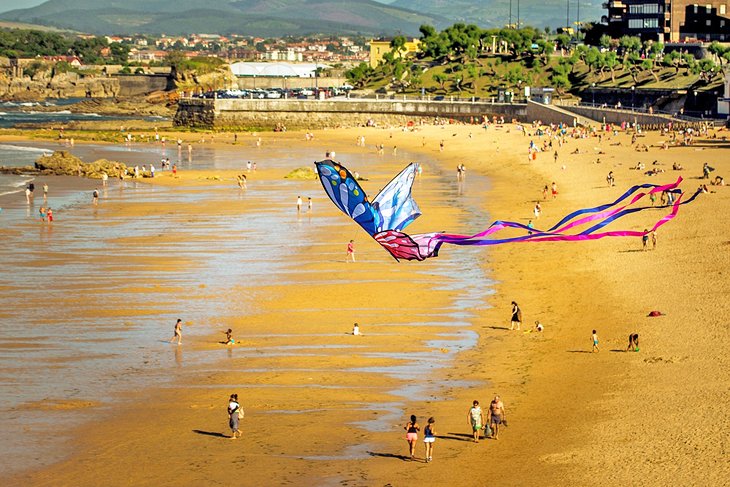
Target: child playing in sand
column 633, row 342
column 229, row 337
column 429, row 436
column 178, row 332
column 594, row 337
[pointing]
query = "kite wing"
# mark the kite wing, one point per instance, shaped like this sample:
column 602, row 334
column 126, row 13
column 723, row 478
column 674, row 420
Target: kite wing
column 395, row 202
column 344, row 191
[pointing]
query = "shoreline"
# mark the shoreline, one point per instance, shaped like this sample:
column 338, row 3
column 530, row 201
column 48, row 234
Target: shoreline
column 530, row 371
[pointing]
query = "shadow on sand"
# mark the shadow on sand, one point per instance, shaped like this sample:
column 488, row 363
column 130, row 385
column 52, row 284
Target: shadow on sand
column 211, row 433
column 404, row 458
column 457, row 437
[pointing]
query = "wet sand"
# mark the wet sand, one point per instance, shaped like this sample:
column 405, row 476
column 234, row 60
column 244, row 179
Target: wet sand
column 324, row 407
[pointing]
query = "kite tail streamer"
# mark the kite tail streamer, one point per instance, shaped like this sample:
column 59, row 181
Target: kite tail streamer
column 428, row 244
column 394, row 208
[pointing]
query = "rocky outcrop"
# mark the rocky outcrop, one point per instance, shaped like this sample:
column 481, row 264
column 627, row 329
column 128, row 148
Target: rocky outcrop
column 67, row 85
column 62, row 163
column 156, row 104
column 66, row 164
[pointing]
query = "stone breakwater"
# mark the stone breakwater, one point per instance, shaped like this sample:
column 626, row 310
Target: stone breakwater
column 63, row 163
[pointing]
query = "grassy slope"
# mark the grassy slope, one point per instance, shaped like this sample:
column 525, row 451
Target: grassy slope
column 496, row 74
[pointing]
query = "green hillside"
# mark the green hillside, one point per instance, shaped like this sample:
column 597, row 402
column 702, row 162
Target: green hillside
column 249, row 17
column 495, row 13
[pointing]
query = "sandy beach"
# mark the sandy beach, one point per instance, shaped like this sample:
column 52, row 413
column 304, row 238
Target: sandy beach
column 324, row 407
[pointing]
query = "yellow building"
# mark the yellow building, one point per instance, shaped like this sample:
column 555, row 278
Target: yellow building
column 378, row 47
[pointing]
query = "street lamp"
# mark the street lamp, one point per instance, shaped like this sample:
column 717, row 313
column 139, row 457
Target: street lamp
column 633, row 89
column 593, row 92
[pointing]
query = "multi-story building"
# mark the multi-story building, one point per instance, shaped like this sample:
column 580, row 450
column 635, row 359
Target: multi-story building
column 647, row 19
column 705, row 22
column 669, row 20
column 378, row 47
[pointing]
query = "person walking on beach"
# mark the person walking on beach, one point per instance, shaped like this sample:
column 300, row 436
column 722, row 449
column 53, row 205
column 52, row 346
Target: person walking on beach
column 45, row 191
column 49, row 214
column 235, row 415
column 516, row 317
column 594, row 337
column 496, row 416
column 27, row 195
column 475, row 418
column 554, row 190
column 536, row 211
column 412, row 430
column 429, row 437
column 309, row 205
column 653, row 239
column 95, row 197
column 299, row 204
column 104, row 179
column 633, row 342
column 178, row 332
column 645, row 239
column 42, row 212
column 350, row 251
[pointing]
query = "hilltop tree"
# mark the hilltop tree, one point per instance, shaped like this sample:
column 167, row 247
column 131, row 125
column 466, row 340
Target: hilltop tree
column 441, row 79
column 360, row 75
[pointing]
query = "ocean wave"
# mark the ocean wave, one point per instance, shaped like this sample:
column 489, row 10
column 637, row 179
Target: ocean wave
column 24, row 148
column 3, row 113
column 3, row 193
column 21, row 184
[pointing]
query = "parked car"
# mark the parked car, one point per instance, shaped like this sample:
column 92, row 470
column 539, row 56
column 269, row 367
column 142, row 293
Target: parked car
column 273, row 94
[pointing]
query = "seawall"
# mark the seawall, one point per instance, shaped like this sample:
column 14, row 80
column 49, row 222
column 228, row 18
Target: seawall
column 340, row 112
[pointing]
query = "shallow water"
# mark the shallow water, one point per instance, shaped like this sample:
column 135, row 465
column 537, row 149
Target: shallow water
column 95, row 325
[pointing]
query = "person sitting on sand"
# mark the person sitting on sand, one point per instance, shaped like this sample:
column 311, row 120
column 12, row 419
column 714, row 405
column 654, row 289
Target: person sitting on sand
column 539, row 327
column 229, row 337
column 633, row 342
column 676, row 166
column 356, row 329
column 718, row 181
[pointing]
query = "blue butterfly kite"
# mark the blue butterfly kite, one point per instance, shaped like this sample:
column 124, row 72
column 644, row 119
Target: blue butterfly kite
column 394, row 208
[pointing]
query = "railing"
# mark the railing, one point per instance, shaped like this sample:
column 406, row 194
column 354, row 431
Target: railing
column 378, row 97
column 685, row 116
